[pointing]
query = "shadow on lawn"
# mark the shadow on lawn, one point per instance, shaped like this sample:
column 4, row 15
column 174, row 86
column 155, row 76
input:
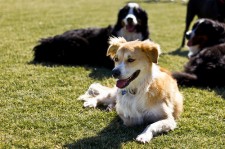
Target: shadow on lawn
column 96, row 72
column 178, row 52
column 110, row 137
column 100, row 73
column 220, row 91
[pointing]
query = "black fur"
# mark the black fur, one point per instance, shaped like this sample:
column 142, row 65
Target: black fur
column 86, row 46
column 207, row 66
column 212, row 9
column 76, row 47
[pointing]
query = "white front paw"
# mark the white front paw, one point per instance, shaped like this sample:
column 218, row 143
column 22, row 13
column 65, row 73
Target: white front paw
column 83, row 97
column 90, row 103
column 144, row 137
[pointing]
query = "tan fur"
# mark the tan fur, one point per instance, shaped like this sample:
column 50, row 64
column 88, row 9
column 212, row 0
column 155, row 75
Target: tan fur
column 152, row 97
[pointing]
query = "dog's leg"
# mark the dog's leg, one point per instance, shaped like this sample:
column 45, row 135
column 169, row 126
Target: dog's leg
column 98, row 94
column 189, row 17
column 185, row 78
column 156, row 128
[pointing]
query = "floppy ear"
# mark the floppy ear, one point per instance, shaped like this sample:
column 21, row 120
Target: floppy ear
column 152, row 50
column 115, row 43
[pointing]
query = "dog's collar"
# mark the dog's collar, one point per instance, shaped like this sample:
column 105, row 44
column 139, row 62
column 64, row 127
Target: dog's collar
column 123, row 92
column 130, row 91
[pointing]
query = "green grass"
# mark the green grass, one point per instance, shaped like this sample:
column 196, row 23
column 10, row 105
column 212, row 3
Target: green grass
column 39, row 106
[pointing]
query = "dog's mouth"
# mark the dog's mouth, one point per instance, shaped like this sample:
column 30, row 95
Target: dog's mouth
column 197, row 40
column 130, row 27
column 190, row 43
column 125, row 82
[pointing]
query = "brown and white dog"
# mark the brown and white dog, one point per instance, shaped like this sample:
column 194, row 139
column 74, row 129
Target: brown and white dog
column 144, row 92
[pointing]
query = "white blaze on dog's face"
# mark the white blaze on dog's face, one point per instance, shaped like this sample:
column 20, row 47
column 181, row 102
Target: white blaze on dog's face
column 133, row 60
column 131, row 18
column 195, row 37
column 132, row 23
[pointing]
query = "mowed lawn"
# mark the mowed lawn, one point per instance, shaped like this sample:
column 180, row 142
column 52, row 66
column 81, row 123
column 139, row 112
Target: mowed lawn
column 38, row 103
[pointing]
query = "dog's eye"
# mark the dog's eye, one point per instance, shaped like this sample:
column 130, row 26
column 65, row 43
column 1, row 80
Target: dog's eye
column 130, row 60
column 116, row 59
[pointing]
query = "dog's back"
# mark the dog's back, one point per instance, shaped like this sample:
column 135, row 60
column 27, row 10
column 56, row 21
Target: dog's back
column 67, row 48
column 204, row 69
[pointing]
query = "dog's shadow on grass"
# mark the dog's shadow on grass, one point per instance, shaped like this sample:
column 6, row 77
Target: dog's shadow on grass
column 97, row 73
column 179, row 52
column 100, row 73
column 220, row 91
column 110, row 137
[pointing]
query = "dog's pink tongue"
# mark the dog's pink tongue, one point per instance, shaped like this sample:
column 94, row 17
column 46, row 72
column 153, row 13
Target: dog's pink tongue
column 121, row 83
column 130, row 28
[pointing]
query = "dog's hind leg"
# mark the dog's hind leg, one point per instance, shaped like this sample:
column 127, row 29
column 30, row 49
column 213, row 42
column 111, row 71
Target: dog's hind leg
column 185, row 78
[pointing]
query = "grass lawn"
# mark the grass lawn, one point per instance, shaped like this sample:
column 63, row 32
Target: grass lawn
column 39, row 106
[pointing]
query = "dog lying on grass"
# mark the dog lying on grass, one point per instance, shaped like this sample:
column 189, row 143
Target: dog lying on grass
column 87, row 46
column 144, row 93
column 206, row 65
column 212, row 9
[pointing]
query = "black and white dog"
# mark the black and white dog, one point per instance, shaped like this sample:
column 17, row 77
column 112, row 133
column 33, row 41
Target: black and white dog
column 132, row 23
column 212, row 9
column 206, row 65
column 88, row 46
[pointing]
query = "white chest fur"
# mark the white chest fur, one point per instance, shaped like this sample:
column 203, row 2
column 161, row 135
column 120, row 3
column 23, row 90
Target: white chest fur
column 193, row 50
column 133, row 109
column 128, row 104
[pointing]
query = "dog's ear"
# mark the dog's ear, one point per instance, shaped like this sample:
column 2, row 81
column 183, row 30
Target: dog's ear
column 152, row 50
column 114, row 44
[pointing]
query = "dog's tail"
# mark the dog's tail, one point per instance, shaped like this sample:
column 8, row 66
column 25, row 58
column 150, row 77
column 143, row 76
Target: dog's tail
column 185, row 79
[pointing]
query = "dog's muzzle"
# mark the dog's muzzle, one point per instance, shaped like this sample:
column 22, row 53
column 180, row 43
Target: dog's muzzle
column 122, row 83
column 131, row 20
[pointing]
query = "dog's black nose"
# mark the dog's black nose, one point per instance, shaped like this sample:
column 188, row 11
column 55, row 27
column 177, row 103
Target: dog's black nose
column 188, row 34
column 116, row 73
column 129, row 20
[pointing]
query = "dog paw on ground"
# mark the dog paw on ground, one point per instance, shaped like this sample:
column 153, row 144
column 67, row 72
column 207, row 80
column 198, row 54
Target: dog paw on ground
column 144, row 137
column 91, row 103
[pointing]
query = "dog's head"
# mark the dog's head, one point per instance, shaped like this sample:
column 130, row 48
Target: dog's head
column 133, row 60
column 132, row 17
column 205, row 33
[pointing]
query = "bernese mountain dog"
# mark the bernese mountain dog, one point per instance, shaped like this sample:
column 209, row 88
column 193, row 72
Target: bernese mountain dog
column 206, row 65
column 211, row 9
column 88, row 46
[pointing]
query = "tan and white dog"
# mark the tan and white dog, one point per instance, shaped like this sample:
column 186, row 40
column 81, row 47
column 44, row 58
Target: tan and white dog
column 144, row 92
